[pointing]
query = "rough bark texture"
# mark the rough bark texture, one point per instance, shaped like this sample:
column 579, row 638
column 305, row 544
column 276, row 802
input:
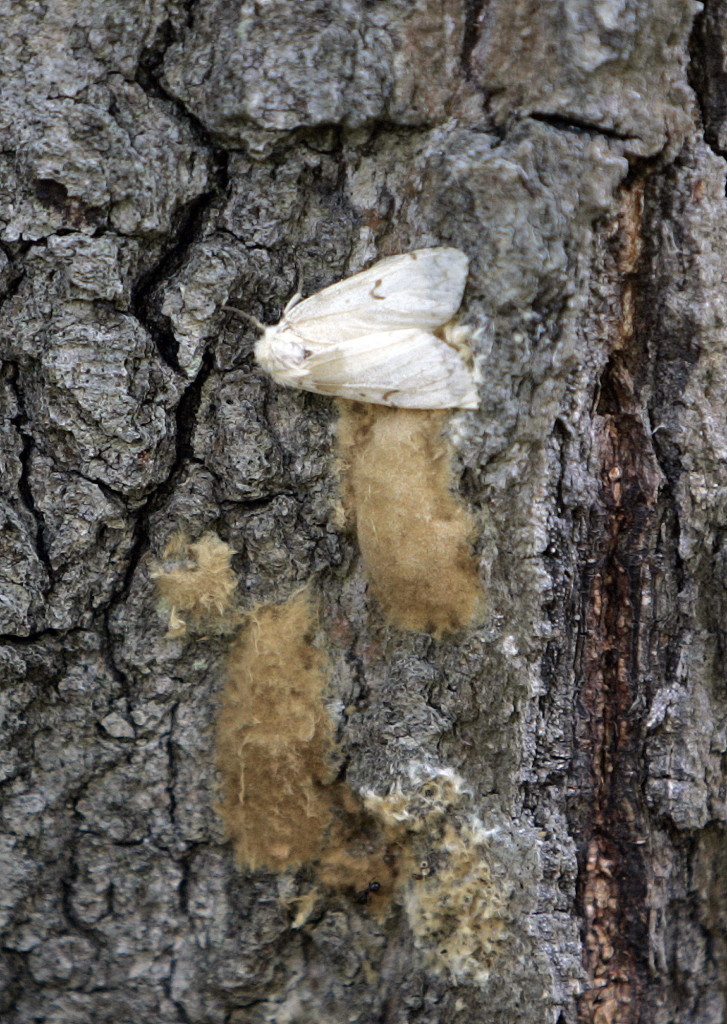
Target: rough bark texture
column 548, row 789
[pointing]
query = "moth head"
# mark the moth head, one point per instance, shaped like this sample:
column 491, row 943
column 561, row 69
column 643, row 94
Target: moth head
column 279, row 353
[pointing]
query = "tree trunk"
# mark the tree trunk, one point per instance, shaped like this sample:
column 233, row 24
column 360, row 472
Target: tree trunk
column 317, row 712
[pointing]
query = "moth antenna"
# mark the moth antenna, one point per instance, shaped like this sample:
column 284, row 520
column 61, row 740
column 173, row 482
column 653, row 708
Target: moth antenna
column 245, row 315
column 293, row 302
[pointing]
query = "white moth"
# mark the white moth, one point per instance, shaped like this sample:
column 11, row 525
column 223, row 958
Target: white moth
column 372, row 337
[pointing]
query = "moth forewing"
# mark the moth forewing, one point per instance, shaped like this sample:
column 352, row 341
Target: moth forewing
column 416, row 289
column 370, row 336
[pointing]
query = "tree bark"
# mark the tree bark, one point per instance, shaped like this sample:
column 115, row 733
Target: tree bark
column 239, row 783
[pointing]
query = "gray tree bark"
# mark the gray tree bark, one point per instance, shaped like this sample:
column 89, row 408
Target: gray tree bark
column 544, row 792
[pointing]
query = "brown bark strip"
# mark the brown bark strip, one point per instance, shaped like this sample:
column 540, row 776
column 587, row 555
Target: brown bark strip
column 624, row 525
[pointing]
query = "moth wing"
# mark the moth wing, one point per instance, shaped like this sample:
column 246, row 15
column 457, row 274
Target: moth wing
column 421, row 289
column 411, row 369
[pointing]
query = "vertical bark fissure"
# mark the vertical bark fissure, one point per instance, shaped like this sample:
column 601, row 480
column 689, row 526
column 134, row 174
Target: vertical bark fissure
column 21, row 422
column 623, row 535
column 474, row 15
column 705, row 71
column 186, row 413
